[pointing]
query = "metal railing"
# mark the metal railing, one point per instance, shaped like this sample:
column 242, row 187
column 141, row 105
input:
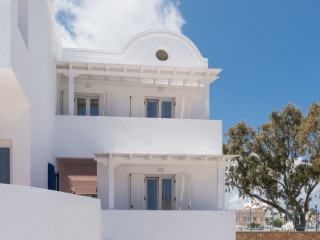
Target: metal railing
column 271, row 220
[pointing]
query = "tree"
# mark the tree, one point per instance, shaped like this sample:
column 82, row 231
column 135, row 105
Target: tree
column 254, row 225
column 277, row 223
column 279, row 162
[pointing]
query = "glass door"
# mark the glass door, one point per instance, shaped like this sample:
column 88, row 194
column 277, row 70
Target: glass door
column 152, row 193
column 152, row 108
column 166, row 194
column 4, row 165
column 159, row 108
column 159, row 193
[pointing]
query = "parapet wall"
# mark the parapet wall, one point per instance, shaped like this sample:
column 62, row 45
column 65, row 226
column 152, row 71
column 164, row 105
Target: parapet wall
column 37, row 214
column 278, row 235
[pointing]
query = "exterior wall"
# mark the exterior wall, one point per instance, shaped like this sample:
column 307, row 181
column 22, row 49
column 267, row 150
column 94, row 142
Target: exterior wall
column 5, row 29
column 202, row 180
column 257, row 216
column 141, row 50
column 15, row 126
column 37, row 214
column 278, row 235
column 32, row 60
column 167, row 225
column 82, row 136
column 119, row 96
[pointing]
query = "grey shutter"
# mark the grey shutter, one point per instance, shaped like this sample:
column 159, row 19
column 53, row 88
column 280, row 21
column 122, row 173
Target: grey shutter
column 182, row 108
column 65, row 103
column 136, row 106
column 137, row 191
column 104, row 104
column 182, row 192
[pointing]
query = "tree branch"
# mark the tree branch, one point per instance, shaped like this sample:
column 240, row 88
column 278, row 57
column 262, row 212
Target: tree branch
column 276, row 206
column 306, row 202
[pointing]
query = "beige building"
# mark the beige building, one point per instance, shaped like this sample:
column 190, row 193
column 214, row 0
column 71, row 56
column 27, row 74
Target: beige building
column 258, row 211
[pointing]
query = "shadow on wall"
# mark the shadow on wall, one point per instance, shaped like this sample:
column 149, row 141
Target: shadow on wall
column 31, row 214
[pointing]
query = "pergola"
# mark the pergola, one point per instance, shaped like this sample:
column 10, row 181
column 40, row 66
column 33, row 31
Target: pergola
column 112, row 160
column 147, row 75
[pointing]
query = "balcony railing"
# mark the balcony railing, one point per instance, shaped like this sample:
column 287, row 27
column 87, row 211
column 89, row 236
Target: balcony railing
column 177, row 225
column 78, row 136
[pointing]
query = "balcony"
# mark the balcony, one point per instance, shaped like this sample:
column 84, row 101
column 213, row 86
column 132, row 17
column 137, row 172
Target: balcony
column 134, row 225
column 82, row 136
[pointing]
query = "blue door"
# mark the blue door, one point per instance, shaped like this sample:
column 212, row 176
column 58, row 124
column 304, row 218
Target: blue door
column 5, row 165
column 152, row 193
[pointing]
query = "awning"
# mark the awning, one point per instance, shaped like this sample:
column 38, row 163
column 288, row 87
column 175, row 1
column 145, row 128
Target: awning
column 139, row 74
column 162, row 159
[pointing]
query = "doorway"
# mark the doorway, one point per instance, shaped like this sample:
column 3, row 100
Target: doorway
column 78, row 176
column 159, row 193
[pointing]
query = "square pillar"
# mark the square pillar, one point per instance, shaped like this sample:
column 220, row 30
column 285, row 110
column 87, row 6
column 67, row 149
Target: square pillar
column 221, row 173
column 71, row 93
column 111, row 167
column 207, row 98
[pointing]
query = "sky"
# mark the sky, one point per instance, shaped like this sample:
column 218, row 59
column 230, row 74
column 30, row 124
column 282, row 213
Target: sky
column 269, row 50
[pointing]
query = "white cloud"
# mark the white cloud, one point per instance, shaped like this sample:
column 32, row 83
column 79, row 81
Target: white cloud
column 233, row 202
column 109, row 24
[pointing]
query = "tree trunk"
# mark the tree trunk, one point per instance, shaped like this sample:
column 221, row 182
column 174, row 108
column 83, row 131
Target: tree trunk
column 300, row 221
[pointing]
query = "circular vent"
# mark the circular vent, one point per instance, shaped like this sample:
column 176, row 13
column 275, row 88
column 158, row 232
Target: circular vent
column 162, row 55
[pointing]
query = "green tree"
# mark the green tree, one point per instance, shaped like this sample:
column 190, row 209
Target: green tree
column 254, row 225
column 277, row 223
column 279, row 162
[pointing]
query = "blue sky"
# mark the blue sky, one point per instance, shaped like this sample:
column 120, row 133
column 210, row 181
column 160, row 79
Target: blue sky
column 269, row 52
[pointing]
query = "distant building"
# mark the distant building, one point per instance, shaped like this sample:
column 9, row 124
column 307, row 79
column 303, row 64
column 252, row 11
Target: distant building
column 258, row 213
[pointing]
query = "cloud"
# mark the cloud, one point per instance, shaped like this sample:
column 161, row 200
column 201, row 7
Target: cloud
column 109, row 24
column 233, row 202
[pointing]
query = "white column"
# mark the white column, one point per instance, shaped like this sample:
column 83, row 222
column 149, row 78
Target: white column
column 71, row 93
column 111, row 184
column 221, row 185
column 207, row 98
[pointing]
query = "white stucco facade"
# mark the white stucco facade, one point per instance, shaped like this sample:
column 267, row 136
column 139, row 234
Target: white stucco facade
column 131, row 127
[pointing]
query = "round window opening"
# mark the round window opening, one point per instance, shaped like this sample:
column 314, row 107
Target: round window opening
column 162, row 55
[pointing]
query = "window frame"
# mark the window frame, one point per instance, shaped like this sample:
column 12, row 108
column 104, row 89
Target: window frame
column 8, row 144
column 88, row 97
column 159, row 101
column 159, row 178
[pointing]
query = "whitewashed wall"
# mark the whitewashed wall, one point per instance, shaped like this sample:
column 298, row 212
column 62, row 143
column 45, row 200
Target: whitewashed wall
column 119, row 96
column 81, row 136
column 5, row 29
column 202, row 180
column 38, row 214
column 15, row 126
column 168, row 225
column 31, row 44
column 141, row 50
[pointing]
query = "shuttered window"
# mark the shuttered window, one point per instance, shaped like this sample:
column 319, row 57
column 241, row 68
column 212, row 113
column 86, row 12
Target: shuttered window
column 5, row 165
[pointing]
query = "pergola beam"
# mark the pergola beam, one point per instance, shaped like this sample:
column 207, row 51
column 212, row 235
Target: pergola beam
column 184, row 76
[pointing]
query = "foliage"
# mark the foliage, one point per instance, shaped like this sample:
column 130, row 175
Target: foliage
column 277, row 223
column 279, row 162
column 254, row 225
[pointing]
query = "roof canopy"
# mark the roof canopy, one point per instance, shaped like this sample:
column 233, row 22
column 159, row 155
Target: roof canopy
column 139, row 74
column 161, row 159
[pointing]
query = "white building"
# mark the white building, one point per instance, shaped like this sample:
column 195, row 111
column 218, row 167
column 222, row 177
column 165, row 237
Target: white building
column 132, row 127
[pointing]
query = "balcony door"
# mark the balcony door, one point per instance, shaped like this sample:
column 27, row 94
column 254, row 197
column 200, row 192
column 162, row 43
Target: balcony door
column 87, row 105
column 5, row 165
column 159, row 108
column 159, row 193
